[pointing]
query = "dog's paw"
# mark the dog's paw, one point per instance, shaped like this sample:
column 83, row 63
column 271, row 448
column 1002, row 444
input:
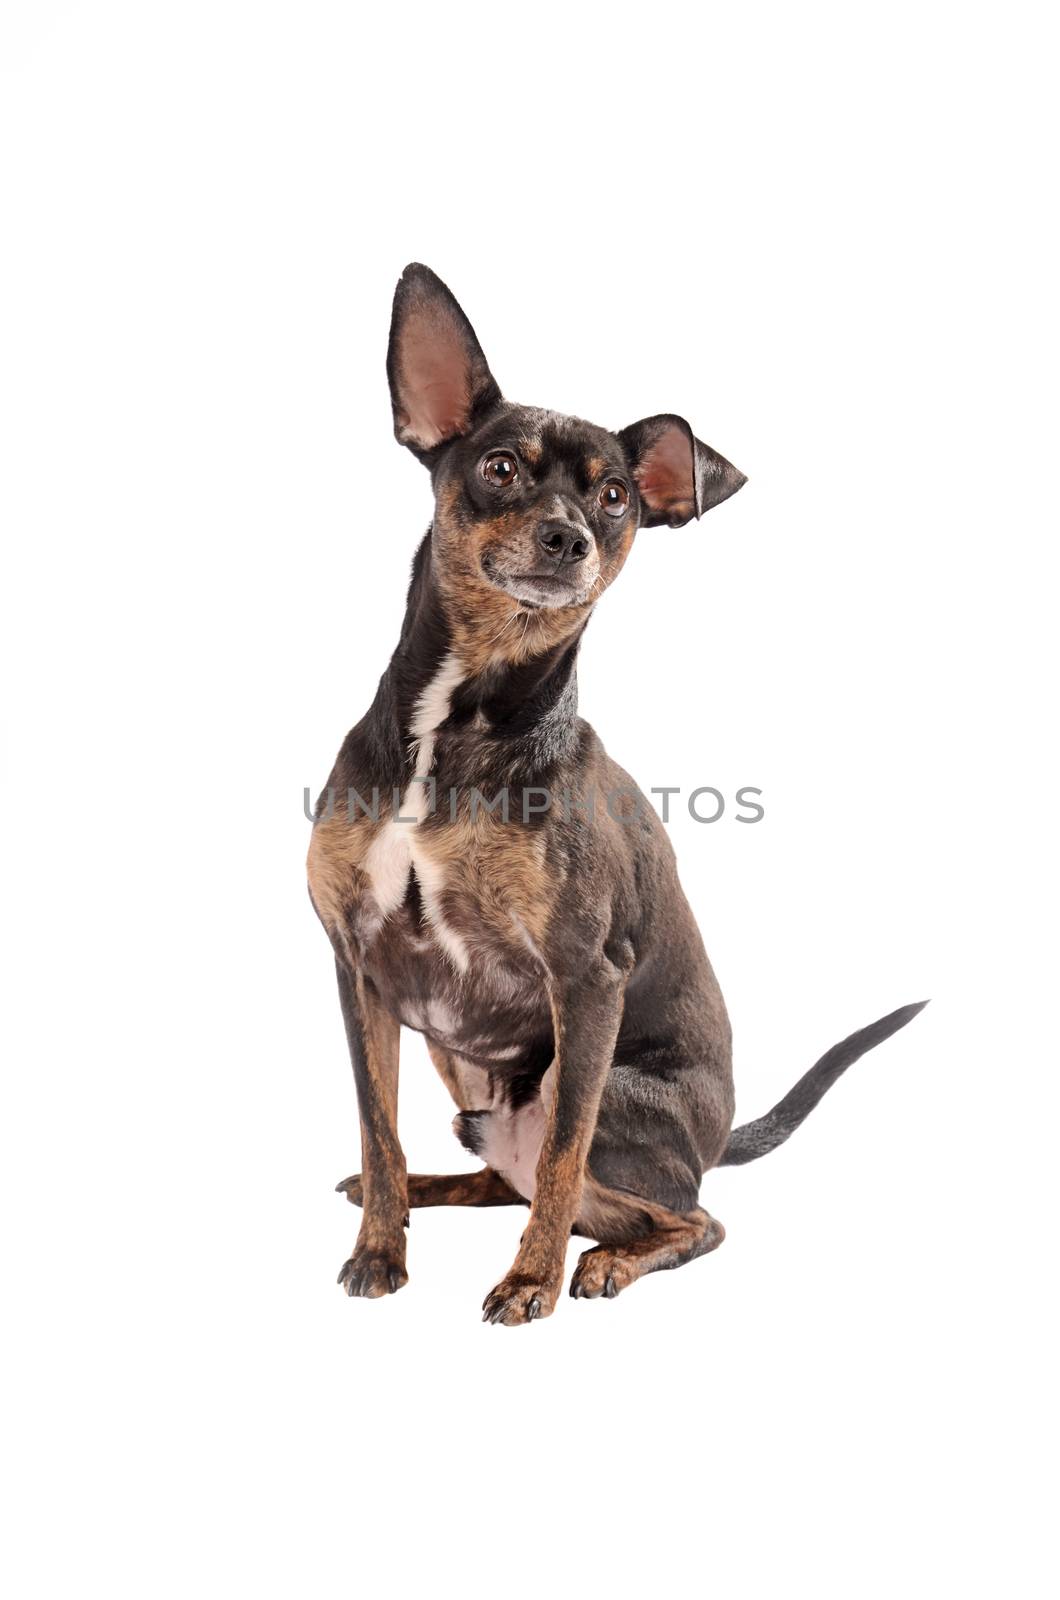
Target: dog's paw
column 518, row 1299
column 369, row 1274
column 601, row 1272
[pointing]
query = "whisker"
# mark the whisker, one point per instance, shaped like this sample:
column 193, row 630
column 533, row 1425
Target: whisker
column 505, row 628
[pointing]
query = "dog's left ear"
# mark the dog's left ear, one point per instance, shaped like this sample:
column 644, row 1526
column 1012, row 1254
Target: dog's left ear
column 677, row 476
column 440, row 383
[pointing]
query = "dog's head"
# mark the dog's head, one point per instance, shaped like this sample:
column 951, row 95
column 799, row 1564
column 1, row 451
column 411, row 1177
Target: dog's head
column 534, row 511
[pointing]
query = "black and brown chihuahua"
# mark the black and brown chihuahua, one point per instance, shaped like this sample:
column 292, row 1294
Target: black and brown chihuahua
column 507, row 906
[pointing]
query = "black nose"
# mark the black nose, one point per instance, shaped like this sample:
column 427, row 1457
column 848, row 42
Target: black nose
column 563, row 541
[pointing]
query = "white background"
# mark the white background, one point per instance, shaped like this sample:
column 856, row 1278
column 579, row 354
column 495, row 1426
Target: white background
column 822, row 234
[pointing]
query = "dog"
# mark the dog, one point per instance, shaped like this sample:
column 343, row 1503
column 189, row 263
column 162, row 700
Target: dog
column 505, row 906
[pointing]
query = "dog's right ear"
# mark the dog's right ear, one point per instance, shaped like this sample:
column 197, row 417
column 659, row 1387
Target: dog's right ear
column 440, row 384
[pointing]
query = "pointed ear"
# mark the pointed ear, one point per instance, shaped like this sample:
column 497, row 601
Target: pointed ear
column 439, row 381
column 677, row 476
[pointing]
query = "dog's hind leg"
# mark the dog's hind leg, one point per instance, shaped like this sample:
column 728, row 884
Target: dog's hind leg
column 471, row 1089
column 637, row 1236
column 483, row 1188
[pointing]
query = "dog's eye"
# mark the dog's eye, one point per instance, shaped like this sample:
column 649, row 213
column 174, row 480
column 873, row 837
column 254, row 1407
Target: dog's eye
column 613, row 498
column 500, row 469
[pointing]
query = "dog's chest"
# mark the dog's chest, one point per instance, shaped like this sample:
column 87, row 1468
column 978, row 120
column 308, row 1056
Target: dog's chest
column 454, row 960
column 446, row 904
column 491, row 1013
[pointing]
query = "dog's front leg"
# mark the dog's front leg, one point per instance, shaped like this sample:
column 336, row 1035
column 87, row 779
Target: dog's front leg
column 586, row 1016
column 377, row 1265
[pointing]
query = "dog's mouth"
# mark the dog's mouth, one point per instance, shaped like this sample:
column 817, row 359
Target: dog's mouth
column 533, row 589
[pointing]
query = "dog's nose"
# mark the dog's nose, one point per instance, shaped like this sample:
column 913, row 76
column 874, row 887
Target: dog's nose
column 565, row 542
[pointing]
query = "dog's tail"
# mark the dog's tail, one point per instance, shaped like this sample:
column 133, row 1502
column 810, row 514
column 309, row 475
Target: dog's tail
column 758, row 1138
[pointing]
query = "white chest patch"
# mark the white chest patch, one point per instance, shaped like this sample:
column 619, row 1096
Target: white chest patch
column 393, row 854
